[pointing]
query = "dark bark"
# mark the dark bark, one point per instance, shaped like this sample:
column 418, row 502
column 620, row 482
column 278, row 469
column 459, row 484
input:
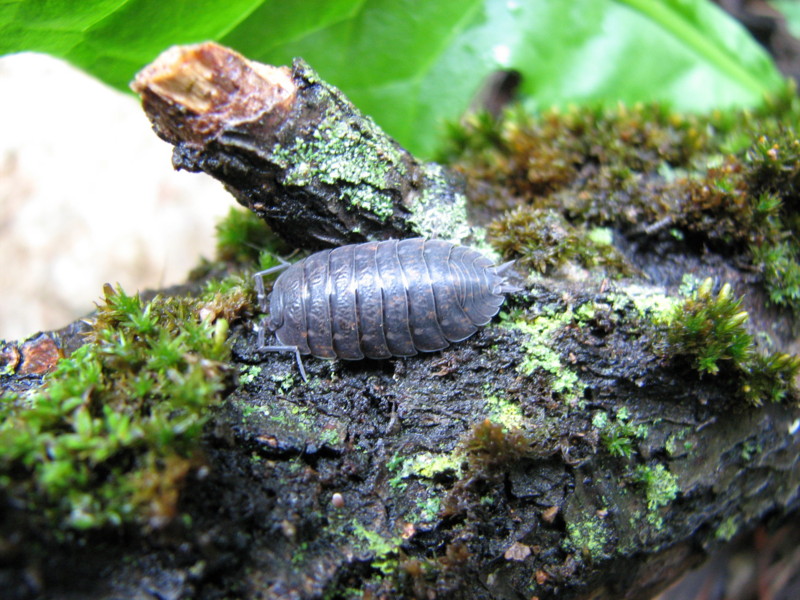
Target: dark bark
column 392, row 477
column 294, row 150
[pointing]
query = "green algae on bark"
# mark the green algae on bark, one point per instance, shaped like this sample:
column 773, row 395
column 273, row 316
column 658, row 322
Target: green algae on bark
column 295, row 150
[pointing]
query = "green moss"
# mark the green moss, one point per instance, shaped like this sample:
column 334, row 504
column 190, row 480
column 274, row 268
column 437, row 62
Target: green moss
column 113, row 433
column 618, row 435
column 544, row 240
column 227, row 299
column 489, row 446
column 710, row 329
column 727, row 181
column 242, row 236
column 780, row 264
column 661, row 486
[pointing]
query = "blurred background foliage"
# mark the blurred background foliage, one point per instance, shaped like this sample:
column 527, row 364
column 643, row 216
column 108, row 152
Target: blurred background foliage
column 413, row 65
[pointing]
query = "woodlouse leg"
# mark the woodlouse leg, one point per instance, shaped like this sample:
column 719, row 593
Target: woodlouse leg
column 261, row 294
column 262, row 347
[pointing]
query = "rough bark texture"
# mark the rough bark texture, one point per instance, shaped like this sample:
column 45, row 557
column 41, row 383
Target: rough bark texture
column 461, row 474
column 294, row 150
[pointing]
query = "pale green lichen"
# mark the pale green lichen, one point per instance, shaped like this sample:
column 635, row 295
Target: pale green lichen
column 589, row 536
column 650, row 303
column 248, row 374
column 427, row 509
column 439, row 212
column 602, row 236
column 379, row 547
column 504, row 411
column 585, row 313
column 539, row 355
column 661, row 486
column 424, row 466
column 727, row 529
column 377, row 202
column 285, row 381
column 351, row 153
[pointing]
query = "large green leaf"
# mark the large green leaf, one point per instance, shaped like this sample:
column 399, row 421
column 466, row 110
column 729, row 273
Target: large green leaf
column 412, row 64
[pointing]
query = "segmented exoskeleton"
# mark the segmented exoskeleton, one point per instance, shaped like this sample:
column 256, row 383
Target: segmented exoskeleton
column 382, row 299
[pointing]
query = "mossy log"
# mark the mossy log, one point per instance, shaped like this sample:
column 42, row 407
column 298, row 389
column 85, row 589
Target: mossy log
column 294, row 150
column 566, row 451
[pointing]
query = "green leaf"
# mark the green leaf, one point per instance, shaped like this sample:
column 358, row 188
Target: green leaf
column 413, row 65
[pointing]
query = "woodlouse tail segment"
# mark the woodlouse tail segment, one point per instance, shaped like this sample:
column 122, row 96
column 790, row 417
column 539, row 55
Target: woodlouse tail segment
column 507, row 276
column 263, row 347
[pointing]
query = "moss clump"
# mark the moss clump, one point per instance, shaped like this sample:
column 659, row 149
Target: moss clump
column 490, row 445
column 618, row 435
column 227, row 299
column 727, row 181
column 543, row 240
column 710, row 328
column 113, row 433
column 242, row 237
column 537, row 155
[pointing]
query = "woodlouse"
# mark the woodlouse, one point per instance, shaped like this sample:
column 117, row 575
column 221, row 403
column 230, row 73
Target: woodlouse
column 381, row 299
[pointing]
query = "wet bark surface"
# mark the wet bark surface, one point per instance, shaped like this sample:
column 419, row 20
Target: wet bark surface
column 309, row 491
column 457, row 474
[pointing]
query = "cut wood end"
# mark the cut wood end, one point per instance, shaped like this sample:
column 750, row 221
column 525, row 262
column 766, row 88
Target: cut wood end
column 211, row 81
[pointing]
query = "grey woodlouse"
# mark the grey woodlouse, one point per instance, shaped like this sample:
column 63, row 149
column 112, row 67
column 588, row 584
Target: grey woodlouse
column 381, row 299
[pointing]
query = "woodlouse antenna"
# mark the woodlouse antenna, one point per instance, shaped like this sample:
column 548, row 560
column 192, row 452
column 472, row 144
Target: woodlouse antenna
column 264, row 326
column 261, row 294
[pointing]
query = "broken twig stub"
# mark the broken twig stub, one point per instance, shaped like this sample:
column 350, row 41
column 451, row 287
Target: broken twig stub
column 295, row 150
